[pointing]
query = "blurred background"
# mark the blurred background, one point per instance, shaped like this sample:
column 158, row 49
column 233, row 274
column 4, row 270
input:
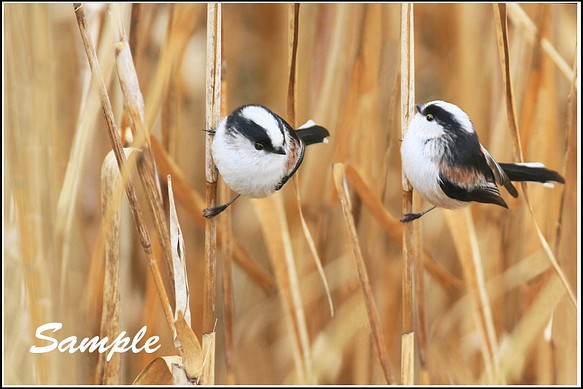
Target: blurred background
column 348, row 80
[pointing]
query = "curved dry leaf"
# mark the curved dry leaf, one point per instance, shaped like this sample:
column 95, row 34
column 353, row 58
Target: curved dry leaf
column 189, row 347
column 162, row 371
column 312, row 245
column 178, row 260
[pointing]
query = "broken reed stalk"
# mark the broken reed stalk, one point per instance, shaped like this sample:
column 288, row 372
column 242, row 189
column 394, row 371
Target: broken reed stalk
column 407, row 103
column 502, row 35
column 144, row 236
column 108, row 372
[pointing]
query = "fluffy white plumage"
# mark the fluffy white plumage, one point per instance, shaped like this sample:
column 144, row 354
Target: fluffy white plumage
column 420, row 158
column 237, row 159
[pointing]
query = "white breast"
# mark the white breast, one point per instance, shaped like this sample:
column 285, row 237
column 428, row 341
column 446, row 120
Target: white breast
column 247, row 171
column 419, row 157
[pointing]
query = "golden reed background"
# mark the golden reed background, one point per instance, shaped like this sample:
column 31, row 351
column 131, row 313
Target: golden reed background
column 348, row 80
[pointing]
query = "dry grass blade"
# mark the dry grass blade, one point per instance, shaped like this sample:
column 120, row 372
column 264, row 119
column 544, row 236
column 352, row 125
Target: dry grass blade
column 293, row 32
column 371, row 308
column 120, row 157
column 469, row 254
column 528, row 331
column 185, row 340
column 502, row 34
column 273, row 221
column 393, row 227
column 407, row 103
column 522, row 20
column 312, row 246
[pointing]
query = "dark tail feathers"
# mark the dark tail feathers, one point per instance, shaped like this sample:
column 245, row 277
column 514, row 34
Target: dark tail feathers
column 534, row 172
column 312, row 134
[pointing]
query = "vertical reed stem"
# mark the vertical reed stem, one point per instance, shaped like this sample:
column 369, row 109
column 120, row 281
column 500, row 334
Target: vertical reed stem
column 213, row 93
column 407, row 102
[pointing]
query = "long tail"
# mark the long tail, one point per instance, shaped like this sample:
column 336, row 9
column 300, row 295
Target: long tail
column 533, row 172
column 311, row 133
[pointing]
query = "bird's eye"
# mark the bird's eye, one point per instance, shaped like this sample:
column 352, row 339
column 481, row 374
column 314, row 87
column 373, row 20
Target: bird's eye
column 429, row 117
column 258, row 146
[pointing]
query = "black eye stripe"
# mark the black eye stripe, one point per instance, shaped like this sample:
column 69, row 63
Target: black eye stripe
column 250, row 130
column 442, row 116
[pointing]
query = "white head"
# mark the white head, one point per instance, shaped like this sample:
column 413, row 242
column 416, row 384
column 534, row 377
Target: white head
column 252, row 149
column 435, row 118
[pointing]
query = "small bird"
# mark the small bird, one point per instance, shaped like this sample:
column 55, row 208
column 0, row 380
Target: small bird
column 256, row 151
column 447, row 165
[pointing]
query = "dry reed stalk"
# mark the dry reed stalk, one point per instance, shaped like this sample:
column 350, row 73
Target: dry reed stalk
column 226, row 243
column 213, row 90
column 115, row 141
column 88, row 115
column 409, row 254
column 108, row 372
column 134, row 105
column 189, row 198
column 502, row 35
column 371, row 308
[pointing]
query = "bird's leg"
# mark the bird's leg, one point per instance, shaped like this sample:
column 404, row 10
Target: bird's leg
column 214, row 211
column 409, row 217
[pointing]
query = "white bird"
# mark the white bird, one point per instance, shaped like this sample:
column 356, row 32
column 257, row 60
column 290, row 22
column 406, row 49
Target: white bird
column 447, row 165
column 256, row 152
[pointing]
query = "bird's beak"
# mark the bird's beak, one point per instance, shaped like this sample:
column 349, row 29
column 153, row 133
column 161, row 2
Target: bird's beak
column 419, row 107
column 279, row 150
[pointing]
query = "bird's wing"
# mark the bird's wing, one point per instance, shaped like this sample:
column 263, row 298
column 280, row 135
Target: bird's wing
column 499, row 175
column 486, row 192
